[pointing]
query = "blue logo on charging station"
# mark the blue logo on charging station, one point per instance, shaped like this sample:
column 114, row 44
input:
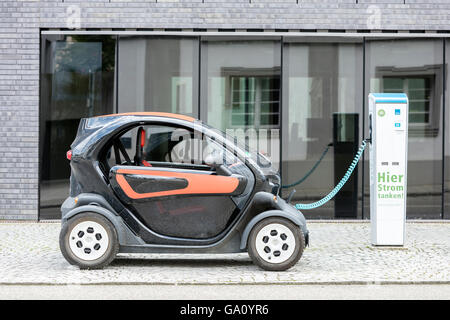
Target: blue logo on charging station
column 397, row 125
column 397, row 112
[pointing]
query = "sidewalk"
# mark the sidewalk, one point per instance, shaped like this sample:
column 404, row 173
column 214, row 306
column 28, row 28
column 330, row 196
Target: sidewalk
column 340, row 253
column 226, row 292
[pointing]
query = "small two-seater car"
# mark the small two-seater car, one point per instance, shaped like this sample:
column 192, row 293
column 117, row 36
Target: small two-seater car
column 154, row 182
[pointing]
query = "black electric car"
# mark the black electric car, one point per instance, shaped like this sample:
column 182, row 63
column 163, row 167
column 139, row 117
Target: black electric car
column 154, row 182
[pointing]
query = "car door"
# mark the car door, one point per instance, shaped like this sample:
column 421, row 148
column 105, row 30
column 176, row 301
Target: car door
column 175, row 193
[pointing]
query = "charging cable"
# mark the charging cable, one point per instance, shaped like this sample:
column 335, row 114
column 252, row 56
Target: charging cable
column 328, row 197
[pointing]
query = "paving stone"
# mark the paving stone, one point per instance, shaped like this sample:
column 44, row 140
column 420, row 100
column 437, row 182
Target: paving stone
column 339, row 253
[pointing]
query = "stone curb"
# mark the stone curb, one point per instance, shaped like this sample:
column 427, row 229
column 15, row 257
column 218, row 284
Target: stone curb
column 309, row 221
column 367, row 283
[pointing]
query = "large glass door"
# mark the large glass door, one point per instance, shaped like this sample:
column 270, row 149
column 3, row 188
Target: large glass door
column 240, row 90
column 77, row 81
column 322, row 121
column 415, row 67
column 158, row 74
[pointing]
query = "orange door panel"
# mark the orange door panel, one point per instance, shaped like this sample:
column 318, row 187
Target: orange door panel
column 197, row 183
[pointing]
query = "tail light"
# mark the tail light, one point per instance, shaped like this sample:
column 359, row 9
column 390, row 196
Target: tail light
column 69, row 155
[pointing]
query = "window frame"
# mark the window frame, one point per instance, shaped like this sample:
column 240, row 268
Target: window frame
column 431, row 129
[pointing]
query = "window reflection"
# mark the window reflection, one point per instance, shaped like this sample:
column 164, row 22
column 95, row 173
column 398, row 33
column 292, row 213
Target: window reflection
column 419, row 90
column 255, row 101
column 158, row 74
column 322, row 101
column 414, row 66
column 241, row 87
column 241, row 90
column 77, row 81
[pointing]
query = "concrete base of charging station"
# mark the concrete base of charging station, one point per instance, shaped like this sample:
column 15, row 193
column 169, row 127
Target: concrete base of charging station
column 387, row 247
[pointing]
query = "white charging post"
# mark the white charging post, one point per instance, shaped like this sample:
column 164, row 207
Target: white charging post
column 388, row 121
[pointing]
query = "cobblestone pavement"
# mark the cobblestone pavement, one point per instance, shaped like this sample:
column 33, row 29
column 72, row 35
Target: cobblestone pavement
column 339, row 253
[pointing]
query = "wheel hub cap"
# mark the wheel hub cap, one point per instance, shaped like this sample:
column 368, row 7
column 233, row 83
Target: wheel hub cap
column 88, row 240
column 275, row 243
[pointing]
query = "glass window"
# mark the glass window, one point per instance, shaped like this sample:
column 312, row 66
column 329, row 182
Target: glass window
column 159, row 145
column 241, row 90
column 242, row 83
column 158, row 74
column 420, row 90
column 255, row 101
column 414, row 66
column 322, row 121
column 77, row 81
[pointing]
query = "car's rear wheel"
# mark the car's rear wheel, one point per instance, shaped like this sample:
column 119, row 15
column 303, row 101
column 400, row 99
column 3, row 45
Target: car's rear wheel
column 89, row 241
column 276, row 244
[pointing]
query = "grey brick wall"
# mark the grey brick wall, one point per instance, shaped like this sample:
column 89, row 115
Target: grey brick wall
column 21, row 20
column 19, row 108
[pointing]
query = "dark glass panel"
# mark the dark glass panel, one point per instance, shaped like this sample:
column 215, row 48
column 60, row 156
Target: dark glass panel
column 158, row 74
column 413, row 66
column 322, row 104
column 77, row 81
column 240, row 90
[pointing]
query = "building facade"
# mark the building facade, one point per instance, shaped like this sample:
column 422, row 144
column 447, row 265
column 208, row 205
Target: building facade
column 294, row 73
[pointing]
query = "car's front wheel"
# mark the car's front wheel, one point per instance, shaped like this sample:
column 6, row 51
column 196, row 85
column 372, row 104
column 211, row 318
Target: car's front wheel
column 89, row 241
column 276, row 244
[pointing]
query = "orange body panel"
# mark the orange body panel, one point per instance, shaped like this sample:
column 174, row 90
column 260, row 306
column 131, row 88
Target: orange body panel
column 197, row 183
column 156, row 114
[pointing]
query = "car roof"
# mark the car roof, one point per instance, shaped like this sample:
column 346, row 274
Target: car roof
column 152, row 114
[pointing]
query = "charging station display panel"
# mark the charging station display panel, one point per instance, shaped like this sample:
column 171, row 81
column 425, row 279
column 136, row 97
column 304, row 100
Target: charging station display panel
column 388, row 115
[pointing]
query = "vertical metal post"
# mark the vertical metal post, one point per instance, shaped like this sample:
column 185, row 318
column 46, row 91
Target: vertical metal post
column 199, row 97
column 280, row 119
column 444, row 75
column 116, row 76
column 363, row 123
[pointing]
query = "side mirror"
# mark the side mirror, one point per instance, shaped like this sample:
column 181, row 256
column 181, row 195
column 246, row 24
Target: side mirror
column 214, row 159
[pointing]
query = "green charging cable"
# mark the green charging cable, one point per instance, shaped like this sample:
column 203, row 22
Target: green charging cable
column 328, row 197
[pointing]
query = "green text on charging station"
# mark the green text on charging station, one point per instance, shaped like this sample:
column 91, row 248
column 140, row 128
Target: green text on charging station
column 390, row 186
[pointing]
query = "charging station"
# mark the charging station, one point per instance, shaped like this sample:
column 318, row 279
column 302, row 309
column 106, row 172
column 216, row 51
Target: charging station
column 388, row 121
